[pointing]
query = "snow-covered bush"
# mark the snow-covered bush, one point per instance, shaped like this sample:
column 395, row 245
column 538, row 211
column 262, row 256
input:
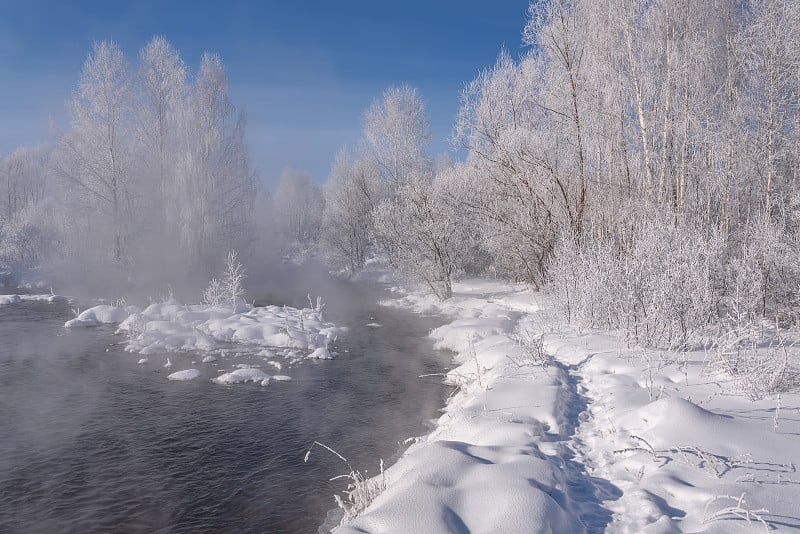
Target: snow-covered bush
column 228, row 289
column 213, row 294
column 759, row 364
column 658, row 282
column 22, row 245
column 764, row 273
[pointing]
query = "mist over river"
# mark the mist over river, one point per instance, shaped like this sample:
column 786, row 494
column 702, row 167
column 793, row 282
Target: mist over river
column 92, row 441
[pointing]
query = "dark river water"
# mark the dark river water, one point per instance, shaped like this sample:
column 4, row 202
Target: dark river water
column 91, row 441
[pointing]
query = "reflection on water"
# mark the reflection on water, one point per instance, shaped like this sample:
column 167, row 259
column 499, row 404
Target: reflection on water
column 93, row 442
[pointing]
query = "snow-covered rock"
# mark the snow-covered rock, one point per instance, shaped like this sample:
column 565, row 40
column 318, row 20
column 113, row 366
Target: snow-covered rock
column 322, row 353
column 240, row 376
column 102, row 314
column 188, row 374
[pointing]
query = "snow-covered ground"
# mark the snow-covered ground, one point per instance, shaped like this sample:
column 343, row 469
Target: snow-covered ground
column 554, row 429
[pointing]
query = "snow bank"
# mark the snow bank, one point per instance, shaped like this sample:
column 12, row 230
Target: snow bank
column 491, row 465
column 554, row 429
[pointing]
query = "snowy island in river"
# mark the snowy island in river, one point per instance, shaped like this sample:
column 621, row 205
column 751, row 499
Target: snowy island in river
column 171, row 326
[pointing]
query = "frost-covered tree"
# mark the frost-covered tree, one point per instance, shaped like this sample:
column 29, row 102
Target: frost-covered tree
column 94, row 155
column 425, row 232
column 214, row 186
column 395, row 137
column 298, row 205
column 527, row 189
column 396, row 134
column 153, row 163
column 162, row 92
column 350, row 198
column 24, row 175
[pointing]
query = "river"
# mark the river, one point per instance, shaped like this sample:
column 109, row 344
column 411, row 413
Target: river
column 91, row 441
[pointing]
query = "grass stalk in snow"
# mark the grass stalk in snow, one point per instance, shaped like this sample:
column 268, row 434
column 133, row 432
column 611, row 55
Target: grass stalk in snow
column 361, row 489
column 644, row 447
column 713, row 463
column 737, row 511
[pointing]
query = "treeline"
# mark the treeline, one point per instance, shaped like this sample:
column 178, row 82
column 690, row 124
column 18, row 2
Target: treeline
column 150, row 174
column 640, row 161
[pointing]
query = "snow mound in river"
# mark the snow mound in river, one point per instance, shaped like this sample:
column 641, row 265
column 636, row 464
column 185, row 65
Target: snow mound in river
column 241, row 376
column 188, row 374
column 103, row 314
column 170, row 326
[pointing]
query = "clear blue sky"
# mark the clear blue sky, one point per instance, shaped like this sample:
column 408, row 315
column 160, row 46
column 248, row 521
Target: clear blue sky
column 302, row 70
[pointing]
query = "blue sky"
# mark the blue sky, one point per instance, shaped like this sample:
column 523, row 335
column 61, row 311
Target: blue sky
column 303, row 71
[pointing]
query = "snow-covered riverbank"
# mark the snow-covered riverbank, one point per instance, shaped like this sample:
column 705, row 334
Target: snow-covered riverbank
column 553, row 429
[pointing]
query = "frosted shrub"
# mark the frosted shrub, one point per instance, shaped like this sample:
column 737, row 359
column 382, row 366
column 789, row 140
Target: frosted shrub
column 659, row 284
column 679, row 294
column 21, row 247
column 228, row 289
column 765, row 273
column 213, row 295
column 760, row 365
column 533, row 352
column 580, row 278
column 759, row 369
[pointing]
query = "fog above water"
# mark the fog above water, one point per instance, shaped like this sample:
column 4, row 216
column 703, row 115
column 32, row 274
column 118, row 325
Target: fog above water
column 94, row 440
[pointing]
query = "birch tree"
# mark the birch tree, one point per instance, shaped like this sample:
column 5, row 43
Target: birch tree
column 214, row 184
column 298, row 206
column 93, row 155
column 351, row 195
column 396, row 134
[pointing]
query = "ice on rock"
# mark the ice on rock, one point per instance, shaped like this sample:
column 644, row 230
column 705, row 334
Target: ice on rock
column 142, row 361
column 210, row 358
